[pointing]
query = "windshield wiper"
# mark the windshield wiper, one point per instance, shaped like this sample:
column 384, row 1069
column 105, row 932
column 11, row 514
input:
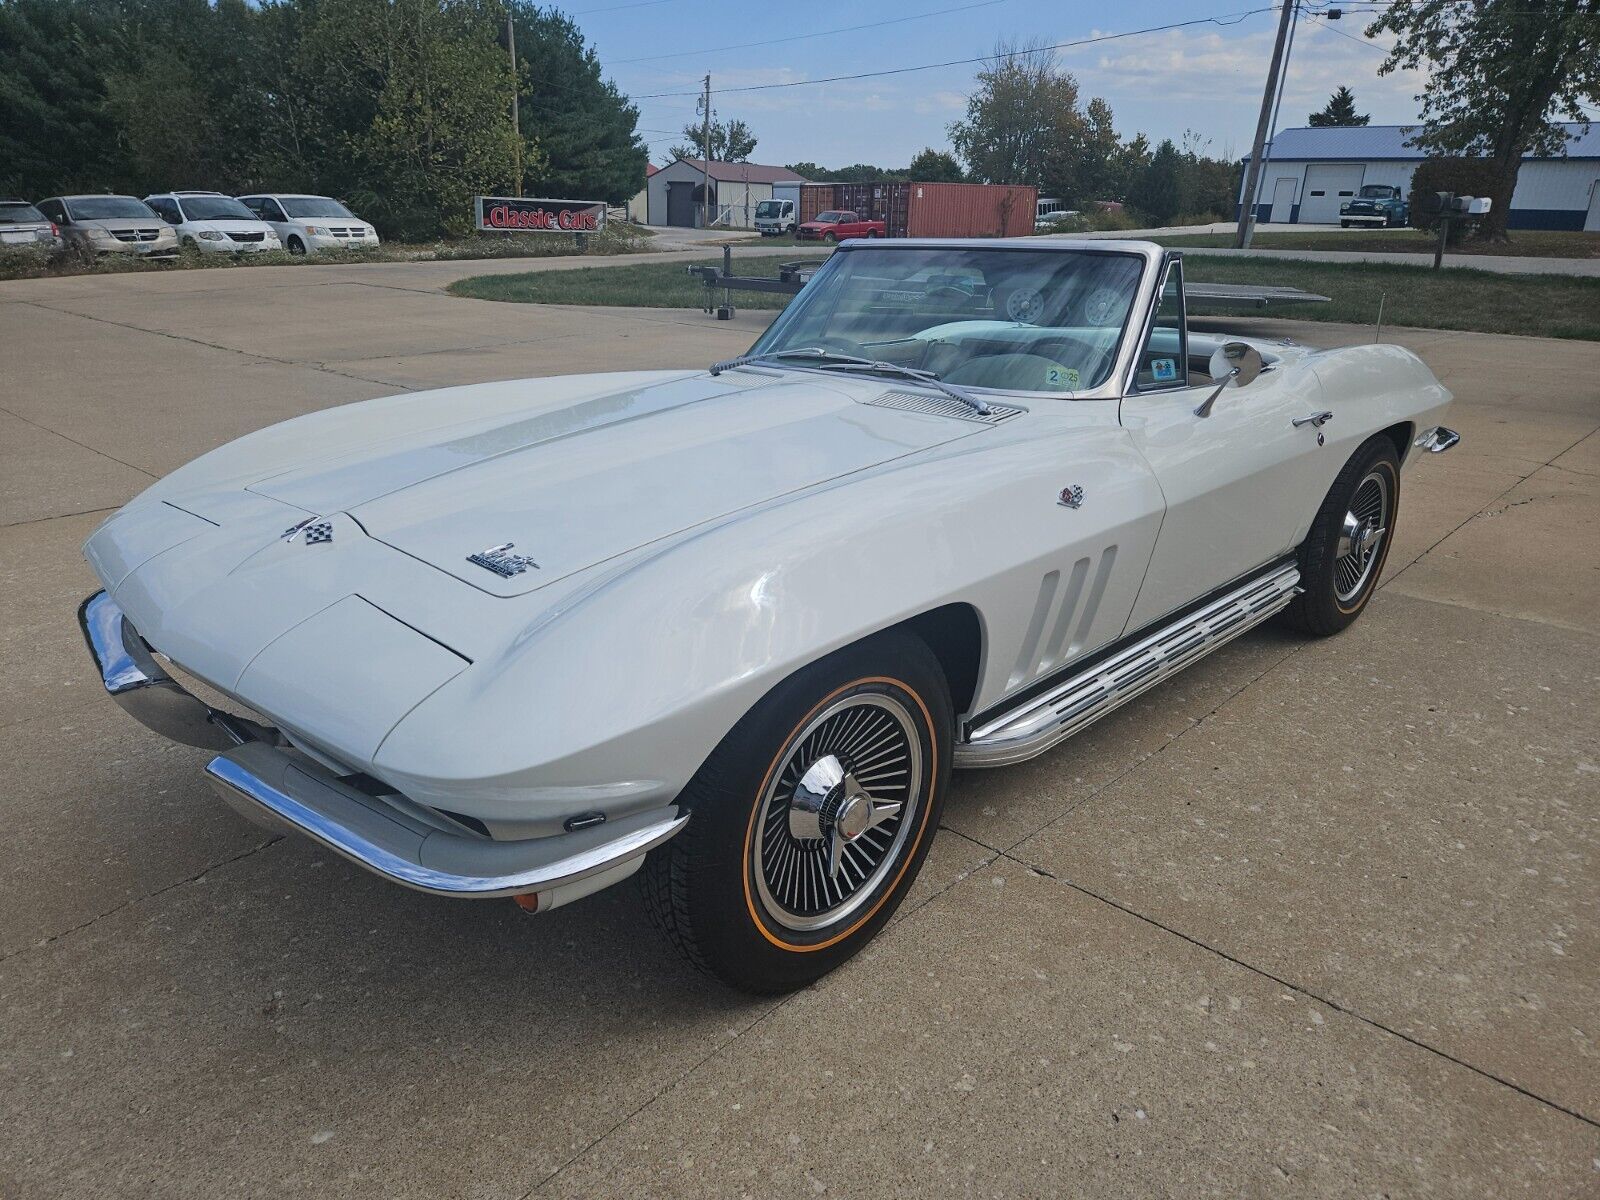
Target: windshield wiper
column 852, row 362
column 744, row 360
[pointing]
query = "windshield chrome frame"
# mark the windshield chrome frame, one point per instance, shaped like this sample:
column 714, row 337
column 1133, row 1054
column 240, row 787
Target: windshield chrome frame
column 1147, row 297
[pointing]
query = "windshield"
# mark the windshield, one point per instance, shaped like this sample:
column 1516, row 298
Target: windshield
column 1375, row 191
column 829, row 218
column 20, row 212
column 769, row 208
column 214, row 208
column 315, row 206
column 1014, row 320
column 102, row 208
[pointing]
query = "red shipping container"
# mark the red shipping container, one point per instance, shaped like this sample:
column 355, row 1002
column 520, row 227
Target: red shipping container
column 959, row 210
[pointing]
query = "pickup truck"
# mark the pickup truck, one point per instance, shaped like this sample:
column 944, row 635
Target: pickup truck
column 836, row 226
column 1376, row 204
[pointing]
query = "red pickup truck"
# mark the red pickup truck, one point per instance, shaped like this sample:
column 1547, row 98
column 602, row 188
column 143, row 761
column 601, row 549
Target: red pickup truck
column 835, row 226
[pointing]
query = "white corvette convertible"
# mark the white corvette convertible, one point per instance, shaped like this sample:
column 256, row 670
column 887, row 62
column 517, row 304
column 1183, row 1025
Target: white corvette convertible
column 735, row 626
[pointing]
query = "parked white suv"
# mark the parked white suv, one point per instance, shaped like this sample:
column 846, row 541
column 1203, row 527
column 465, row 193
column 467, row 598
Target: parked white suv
column 214, row 223
column 306, row 224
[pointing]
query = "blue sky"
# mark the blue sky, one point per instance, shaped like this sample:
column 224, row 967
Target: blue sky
column 1207, row 78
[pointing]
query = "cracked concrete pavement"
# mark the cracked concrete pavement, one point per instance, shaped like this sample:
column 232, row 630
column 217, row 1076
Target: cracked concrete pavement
column 1310, row 919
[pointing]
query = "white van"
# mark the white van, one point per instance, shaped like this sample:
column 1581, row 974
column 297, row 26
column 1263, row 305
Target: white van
column 776, row 217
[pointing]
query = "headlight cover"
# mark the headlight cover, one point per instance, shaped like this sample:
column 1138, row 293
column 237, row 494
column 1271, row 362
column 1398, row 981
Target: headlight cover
column 210, row 235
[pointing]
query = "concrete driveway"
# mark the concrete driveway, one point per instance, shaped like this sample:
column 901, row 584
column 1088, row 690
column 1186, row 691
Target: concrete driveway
column 1312, row 919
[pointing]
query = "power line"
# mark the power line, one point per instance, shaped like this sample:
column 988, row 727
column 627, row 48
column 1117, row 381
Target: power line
column 1228, row 19
column 800, row 37
column 1329, row 26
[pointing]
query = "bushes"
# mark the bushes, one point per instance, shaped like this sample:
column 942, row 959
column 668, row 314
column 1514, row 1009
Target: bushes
column 1463, row 176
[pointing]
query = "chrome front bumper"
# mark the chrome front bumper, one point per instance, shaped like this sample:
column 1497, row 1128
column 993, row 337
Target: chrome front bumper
column 261, row 777
column 1436, row 440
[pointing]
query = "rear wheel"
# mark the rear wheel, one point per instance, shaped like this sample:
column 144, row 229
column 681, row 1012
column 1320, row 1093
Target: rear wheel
column 810, row 820
column 1343, row 556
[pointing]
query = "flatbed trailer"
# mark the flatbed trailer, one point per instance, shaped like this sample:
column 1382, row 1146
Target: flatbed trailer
column 792, row 276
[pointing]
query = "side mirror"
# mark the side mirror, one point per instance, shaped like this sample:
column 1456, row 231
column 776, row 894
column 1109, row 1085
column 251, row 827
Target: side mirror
column 1236, row 363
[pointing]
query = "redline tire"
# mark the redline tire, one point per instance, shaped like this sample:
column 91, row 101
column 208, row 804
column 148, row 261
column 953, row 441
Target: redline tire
column 712, row 889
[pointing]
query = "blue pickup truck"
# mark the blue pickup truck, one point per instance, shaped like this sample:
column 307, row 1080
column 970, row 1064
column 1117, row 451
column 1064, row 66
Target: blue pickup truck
column 1376, row 204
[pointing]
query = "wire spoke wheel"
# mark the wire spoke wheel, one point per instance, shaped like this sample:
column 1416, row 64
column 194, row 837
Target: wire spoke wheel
column 1366, row 525
column 836, row 814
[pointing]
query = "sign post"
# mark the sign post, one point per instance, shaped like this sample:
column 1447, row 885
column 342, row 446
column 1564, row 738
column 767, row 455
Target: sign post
column 519, row 214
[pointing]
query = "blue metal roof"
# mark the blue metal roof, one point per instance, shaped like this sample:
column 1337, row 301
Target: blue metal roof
column 1346, row 143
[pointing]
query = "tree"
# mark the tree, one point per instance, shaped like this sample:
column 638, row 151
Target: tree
column 854, row 173
column 1023, row 124
column 587, row 130
column 411, row 115
column 935, row 166
column 1500, row 74
column 1339, row 111
column 56, row 132
column 1157, row 191
column 731, row 140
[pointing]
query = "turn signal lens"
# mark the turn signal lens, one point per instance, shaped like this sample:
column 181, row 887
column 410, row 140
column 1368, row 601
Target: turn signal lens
column 528, row 902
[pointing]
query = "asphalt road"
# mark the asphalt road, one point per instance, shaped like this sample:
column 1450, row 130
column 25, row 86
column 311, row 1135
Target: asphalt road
column 1312, row 919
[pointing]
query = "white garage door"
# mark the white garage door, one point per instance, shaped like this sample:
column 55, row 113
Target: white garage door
column 1328, row 185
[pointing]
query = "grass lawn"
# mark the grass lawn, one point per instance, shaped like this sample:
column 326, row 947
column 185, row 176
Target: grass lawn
column 1561, row 306
column 643, row 285
column 1528, row 243
column 1540, row 305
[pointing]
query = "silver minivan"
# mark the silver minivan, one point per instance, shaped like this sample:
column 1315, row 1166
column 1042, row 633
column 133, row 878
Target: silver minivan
column 110, row 225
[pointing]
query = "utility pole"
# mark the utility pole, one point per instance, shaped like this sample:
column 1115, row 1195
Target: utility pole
column 516, row 86
column 1252, row 177
column 705, row 160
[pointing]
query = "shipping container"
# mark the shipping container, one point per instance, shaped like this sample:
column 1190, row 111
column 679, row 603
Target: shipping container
column 960, row 210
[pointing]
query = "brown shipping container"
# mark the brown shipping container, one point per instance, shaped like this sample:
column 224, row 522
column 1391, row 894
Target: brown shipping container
column 930, row 209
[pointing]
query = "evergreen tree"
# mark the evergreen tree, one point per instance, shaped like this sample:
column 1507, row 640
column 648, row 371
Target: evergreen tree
column 585, row 129
column 1340, row 110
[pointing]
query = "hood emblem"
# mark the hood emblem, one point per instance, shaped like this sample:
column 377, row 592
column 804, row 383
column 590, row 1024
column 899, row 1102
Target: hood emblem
column 315, row 528
column 502, row 563
column 1071, row 496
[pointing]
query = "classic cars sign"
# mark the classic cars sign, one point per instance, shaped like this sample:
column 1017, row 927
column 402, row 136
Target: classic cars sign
column 508, row 214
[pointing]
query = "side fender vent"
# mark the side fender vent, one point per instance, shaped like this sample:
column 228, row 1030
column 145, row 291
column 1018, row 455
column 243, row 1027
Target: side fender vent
column 944, row 406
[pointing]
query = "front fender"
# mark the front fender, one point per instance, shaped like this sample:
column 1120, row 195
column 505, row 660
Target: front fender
column 612, row 699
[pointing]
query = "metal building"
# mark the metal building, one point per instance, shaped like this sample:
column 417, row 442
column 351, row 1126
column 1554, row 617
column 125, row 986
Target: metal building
column 1308, row 173
column 676, row 192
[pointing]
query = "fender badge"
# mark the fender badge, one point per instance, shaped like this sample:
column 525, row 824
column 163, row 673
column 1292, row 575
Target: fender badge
column 1071, row 496
column 497, row 560
column 315, row 528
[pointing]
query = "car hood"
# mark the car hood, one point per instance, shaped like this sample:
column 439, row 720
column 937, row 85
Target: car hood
column 573, row 486
column 231, row 225
column 114, row 224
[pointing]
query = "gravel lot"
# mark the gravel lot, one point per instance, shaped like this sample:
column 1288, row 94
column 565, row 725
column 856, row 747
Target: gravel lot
column 1312, row 919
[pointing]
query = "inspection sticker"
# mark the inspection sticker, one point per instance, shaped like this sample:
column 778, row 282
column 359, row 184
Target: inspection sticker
column 1165, row 370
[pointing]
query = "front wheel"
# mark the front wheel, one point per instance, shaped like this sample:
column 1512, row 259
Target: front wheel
column 810, row 820
column 1343, row 555
column 295, row 246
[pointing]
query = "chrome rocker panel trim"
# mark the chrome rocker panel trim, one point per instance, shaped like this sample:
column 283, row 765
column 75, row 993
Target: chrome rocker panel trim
column 299, row 795
column 288, row 791
column 1086, row 696
column 1436, row 440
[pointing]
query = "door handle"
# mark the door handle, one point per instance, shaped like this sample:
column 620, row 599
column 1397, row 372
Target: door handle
column 1316, row 420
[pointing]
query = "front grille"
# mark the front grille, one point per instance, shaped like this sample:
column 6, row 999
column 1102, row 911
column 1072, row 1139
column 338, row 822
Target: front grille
column 945, row 406
column 247, row 237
